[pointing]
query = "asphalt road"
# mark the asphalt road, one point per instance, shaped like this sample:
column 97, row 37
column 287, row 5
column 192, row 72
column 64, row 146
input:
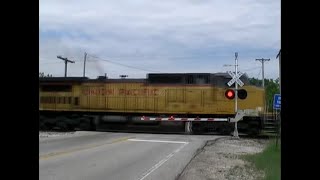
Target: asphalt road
column 117, row 156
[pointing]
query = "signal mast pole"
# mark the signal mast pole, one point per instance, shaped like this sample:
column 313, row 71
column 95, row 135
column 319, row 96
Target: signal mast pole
column 236, row 94
column 235, row 133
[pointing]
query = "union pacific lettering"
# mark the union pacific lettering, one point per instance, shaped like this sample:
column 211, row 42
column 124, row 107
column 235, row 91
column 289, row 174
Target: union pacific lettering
column 100, row 92
column 139, row 92
column 121, row 92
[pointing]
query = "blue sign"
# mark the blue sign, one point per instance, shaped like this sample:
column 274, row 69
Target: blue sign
column 277, row 101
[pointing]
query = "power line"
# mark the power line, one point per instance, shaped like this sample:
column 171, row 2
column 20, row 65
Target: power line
column 179, row 56
column 123, row 64
column 169, row 57
column 251, row 69
column 259, row 73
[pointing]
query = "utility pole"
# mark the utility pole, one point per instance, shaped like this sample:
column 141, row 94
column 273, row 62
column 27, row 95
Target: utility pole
column 262, row 61
column 84, row 64
column 66, row 60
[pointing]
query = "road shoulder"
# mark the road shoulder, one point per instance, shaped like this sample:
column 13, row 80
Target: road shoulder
column 221, row 160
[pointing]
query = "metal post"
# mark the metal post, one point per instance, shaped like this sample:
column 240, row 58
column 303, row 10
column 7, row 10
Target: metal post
column 280, row 89
column 84, row 64
column 279, row 123
column 279, row 55
column 235, row 134
column 262, row 74
column 236, row 94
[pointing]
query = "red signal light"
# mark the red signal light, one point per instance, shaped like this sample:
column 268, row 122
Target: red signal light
column 229, row 94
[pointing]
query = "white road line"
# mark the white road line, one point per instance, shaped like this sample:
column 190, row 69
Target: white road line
column 153, row 168
column 143, row 140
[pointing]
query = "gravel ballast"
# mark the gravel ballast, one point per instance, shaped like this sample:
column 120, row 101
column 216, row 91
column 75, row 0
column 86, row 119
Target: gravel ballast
column 220, row 160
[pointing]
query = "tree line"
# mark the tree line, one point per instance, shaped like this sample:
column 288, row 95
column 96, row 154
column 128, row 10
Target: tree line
column 271, row 87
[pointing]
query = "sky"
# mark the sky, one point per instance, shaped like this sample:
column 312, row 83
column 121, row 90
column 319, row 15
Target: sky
column 137, row 37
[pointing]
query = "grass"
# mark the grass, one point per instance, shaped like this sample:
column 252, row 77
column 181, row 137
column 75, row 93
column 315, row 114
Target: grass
column 268, row 160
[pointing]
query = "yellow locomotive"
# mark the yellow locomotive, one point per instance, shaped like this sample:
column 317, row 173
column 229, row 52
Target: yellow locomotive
column 194, row 102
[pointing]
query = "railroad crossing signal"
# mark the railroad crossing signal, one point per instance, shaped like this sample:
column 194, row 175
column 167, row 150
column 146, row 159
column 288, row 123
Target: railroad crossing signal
column 235, row 78
column 230, row 93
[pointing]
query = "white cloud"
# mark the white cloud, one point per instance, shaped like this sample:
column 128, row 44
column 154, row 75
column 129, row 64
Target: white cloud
column 165, row 36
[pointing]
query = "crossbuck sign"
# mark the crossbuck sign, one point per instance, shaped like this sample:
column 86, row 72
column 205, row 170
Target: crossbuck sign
column 235, row 78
